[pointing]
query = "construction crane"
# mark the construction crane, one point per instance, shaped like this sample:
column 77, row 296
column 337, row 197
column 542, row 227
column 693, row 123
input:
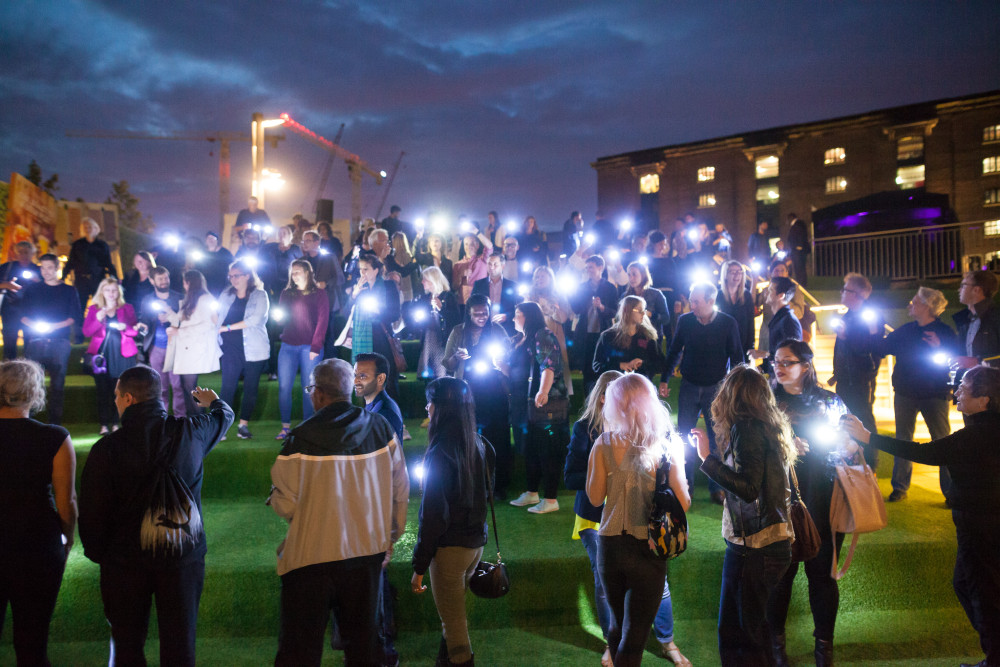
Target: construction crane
column 388, row 186
column 325, row 176
column 356, row 167
column 224, row 139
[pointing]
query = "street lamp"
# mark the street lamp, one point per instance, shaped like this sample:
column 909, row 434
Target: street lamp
column 257, row 126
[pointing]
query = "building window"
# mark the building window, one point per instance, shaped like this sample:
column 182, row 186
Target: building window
column 836, row 184
column 991, row 197
column 910, row 148
column 706, row 174
column 649, row 184
column 706, row 200
column 990, row 164
column 991, row 228
column 910, row 177
column 767, row 166
column 834, row 156
column 768, row 194
column 991, row 133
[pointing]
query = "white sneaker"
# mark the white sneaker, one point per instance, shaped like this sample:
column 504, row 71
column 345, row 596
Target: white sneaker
column 525, row 498
column 545, row 507
column 406, row 434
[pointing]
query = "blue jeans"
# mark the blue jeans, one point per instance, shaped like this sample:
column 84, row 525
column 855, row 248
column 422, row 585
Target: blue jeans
column 663, row 624
column 748, row 576
column 935, row 412
column 294, row 359
column 691, row 401
column 589, row 539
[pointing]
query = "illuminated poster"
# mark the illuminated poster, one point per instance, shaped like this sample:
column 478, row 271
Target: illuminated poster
column 31, row 216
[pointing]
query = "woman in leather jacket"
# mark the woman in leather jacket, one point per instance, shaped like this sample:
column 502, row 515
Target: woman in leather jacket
column 756, row 449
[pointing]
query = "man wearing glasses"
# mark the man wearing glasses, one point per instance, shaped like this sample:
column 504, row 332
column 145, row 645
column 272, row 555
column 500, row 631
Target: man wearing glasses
column 979, row 324
column 855, row 366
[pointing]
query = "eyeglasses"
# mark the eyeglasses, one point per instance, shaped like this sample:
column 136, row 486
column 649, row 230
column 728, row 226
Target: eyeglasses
column 310, row 389
column 233, row 276
column 785, row 363
column 848, row 290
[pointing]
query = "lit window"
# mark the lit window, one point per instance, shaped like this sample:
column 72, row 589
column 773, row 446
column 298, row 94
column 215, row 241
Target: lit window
column 910, row 177
column 910, row 148
column 768, row 194
column 991, row 228
column 991, row 197
column 767, row 166
column 834, row 156
column 836, row 184
column 990, row 164
column 991, row 133
column 649, row 184
column 706, row 174
column 706, row 200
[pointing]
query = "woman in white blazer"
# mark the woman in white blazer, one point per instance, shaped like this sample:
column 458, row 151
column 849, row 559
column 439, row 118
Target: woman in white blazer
column 193, row 346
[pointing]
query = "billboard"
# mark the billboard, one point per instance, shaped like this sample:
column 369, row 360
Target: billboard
column 31, row 216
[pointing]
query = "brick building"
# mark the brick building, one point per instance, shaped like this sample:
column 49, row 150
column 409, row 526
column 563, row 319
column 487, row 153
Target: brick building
column 950, row 147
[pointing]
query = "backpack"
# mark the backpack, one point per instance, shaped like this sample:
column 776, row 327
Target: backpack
column 171, row 525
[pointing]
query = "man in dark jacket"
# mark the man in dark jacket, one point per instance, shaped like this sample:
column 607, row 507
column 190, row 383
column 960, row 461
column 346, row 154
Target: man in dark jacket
column 502, row 292
column 17, row 273
column 113, row 500
column 595, row 302
column 758, row 248
column 798, row 247
column 152, row 326
column 341, row 483
column 979, row 324
column 89, row 262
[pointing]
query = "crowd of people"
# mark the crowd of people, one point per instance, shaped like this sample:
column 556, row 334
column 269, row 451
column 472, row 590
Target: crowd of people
column 502, row 318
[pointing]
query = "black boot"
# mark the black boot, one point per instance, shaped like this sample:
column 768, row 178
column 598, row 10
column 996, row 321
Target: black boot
column 778, row 654
column 824, row 653
column 442, row 656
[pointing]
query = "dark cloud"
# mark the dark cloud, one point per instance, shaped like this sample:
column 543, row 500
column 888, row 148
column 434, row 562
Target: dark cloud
column 497, row 105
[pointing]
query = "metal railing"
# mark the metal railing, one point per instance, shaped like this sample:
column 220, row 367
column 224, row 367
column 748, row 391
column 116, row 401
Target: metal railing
column 941, row 251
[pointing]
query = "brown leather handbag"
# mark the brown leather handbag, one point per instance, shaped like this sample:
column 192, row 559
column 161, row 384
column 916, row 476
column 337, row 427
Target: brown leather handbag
column 807, row 539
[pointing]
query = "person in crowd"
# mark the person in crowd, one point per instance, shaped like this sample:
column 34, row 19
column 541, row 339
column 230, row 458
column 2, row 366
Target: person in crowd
column 340, row 472
column 250, row 216
column 798, row 304
column 138, row 284
column 979, row 322
column 534, row 247
column 783, row 324
column 110, row 325
column 706, row 345
column 48, row 310
column 458, row 475
column 375, row 308
column 814, row 414
column 438, row 310
column 329, row 277
column 621, row 475
column 14, row 276
column 798, row 247
column 495, row 232
column 283, row 252
column 974, row 462
column 556, row 309
column 90, row 262
column 756, row 449
column 631, row 344
column 640, row 283
column 511, row 267
column 307, row 312
column 855, row 362
column 329, row 241
column 252, row 252
column 536, row 357
column 663, row 272
column 467, row 271
column 216, row 263
column 371, row 370
column 474, row 353
column 402, row 262
column 243, row 315
column 595, row 302
column 168, row 254
column 758, row 248
column 193, row 348
column 435, row 256
column 920, row 380
column 392, row 224
column 572, row 233
column 637, row 248
column 501, row 291
column 152, row 326
column 114, row 477
column 37, row 475
column 737, row 300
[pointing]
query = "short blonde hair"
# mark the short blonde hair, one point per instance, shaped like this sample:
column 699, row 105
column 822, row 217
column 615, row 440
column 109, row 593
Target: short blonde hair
column 435, row 276
column 22, row 384
column 934, row 299
column 99, row 295
column 90, row 223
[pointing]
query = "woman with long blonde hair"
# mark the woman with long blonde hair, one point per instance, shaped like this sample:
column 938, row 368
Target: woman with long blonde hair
column 755, row 450
column 621, row 473
column 632, row 344
column 110, row 325
column 737, row 300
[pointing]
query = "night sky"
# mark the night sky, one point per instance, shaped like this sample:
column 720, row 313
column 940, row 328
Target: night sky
column 498, row 105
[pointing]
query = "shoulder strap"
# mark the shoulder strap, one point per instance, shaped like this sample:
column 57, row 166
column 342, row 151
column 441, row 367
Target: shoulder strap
column 489, row 495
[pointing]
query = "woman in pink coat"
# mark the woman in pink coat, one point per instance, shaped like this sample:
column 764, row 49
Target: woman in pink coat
column 110, row 325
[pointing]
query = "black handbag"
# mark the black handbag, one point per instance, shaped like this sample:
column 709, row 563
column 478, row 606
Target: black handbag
column 490, row 580
column 96, row 364
column 668, row 527
column 807, row 541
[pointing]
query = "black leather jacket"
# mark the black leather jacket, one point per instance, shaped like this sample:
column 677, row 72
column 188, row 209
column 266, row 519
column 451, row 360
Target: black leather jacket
column 754, row 477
